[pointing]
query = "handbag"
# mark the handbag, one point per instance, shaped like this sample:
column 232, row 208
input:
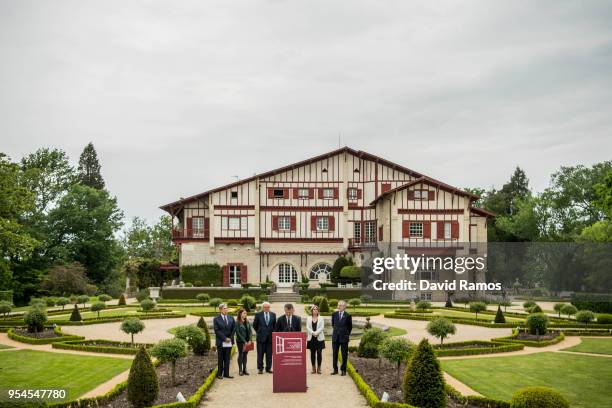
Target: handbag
column 248, row 346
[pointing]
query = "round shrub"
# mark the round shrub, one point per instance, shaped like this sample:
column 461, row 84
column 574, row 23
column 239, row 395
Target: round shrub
column 207, row 340
column 232, row 302
column 423, row 305
column 75, row 316
column 537, row 323
column 478, row 307
column 248, row 302
column 203, row 297
column 83, row 299
column 538, row 397
column 558, row 307
column 354, row 302
column 97, row 307
column 104, row 297
column 585, row 316
column 505, row 304
column 370, row 342
column 147, row 305
column 5, row 307
column 193, row 336
column 38, row 303
column 604, row 318
column 132, row 326
column 324, row 306
column 396, row 350
column 50, row 301
column 535, row 309
column 215, row 302
column 339, row 263
column 569, row 310
column 316, row 300
column 142, row 387
column 350, row 273
column 142, row 295
column 189, row 285
column 63, row 301
column 170, row 350
column 528, row 305
column 365, row 299
column 423, row 382
column 333, row 302
column 35, row 319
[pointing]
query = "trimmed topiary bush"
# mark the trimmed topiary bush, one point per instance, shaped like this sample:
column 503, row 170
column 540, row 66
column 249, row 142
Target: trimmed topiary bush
column 50, row 301
column 396, row 350
column 423, row 305
column 528, row 305
column 324, row 305
column 441, row 328
column 104, row 297
column 423, row 382
column 558, row 307
column 203, row 297
column 142, row 295
column 35, row 319
column 354, row 302
column 142, row 384
column 538, row 397
column 170, row 351
column 83, row 299
column 147, row 305
column 193, row 336
column 75, row 316
column 365, row 299
column 537, row 323
column 122, row 301
column 97, row 307
column 204, row 327
column 339, row 263
column 505, row 304
column 248, row 302
column 5, row 307
column 585, row 316
column 478, row 307
column 370, row 342
column 499, row 316
column 333, row 302
column 604, row 318
column 132, row 326
column 215, row 302
column 63, row 301
column 535, row 309
column 569, row 310
column 232, row 302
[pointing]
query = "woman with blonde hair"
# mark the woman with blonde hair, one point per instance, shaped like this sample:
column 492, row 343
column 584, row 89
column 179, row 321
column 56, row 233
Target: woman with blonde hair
column 316, row 338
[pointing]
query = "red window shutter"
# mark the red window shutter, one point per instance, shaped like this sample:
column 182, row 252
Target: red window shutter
column 225, row 275
column 455, row 229
column 427, row 229
column 440, row 229
column 336, row 192
column 275, row 223
column 405, row 229
column 293, row 223
column 189, row 226
column 270, row 193
column 411, row 194
column 311, row 193
column 380, row 233
column 385, row 187
column 431, row 195
column 359, row 193
column 285, row 193
column 332, row 223
column 243, row 274
column 320, row 193
column 296, row 193
column 313, row 222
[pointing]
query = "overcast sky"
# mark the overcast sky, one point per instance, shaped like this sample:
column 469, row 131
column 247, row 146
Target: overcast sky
column 182, row 96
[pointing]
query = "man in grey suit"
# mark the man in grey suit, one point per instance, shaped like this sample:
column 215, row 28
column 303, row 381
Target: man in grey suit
column 263, row 324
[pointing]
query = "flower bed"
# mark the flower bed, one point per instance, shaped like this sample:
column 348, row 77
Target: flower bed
column 587, row 332
column 49, row 336
column 100, row 346
column 474, row 347
column 473, row 322
column 530, row 341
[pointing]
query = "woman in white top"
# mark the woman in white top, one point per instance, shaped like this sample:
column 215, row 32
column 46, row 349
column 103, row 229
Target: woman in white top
column 316, row 338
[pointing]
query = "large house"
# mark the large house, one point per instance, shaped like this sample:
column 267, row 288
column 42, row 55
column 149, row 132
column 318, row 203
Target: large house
column 296, row 220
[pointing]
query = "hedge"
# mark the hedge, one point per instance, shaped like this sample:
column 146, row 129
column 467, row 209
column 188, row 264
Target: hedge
column 32, row 340
column 110, row 319
column 475, row 400
column 587, row 332
column 82, row 345
column 531, row 343
column 333, row 292
column 19, row 315
column 204, row 274
column 214, row 292
column 598, row 303
column 473, row 322
column 489, row 347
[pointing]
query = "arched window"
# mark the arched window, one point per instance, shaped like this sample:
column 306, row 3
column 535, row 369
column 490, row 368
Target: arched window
column 287, row 273
column 320, row 271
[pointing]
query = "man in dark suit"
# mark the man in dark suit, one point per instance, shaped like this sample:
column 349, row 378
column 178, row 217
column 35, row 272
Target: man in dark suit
column 288, row 322
column 263, row 324
column 225, row 328
column 342, row 324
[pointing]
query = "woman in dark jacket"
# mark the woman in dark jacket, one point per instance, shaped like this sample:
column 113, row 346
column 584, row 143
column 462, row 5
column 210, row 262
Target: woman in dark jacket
column 243, row 339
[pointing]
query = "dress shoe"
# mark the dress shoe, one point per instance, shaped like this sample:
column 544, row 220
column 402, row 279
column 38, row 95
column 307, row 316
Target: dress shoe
column 228, row 376
column 343, row 373
column 269, row 371
column 259, row 371
column 319, row 370
column 334, row 372
column 219, row 377
column 245, row 373
column 314, row 370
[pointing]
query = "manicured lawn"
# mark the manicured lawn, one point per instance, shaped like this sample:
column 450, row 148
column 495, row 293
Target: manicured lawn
column 583, row 380
column 76, row 374
column 4, row 346
column 592, row 345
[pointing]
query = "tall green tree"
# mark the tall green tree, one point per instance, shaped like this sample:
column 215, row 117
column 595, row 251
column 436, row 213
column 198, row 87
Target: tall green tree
column 601, row 231
column 89, row 168
column 141, row 240
column 82, row 227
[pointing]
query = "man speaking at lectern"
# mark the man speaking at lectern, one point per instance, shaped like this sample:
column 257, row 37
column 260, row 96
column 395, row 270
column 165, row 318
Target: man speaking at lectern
column 288, row 322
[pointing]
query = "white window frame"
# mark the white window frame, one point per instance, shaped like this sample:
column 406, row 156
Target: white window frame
column 415, row 230
column 369, row 232
column 353, row 194
column 322, row 223
column 447, row 230
column 303, row 192
column 283, row 223
column 328, row 193
column 287, row 273
column 229, row 226
column 357, row 231
column 234, row 275
column 197, row 230
column 426, row 296
column 421, row 194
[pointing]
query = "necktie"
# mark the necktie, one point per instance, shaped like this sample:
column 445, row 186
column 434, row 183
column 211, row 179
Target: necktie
column 340, row 315
column 225, row 319
column 267, row 319
column 290, row 328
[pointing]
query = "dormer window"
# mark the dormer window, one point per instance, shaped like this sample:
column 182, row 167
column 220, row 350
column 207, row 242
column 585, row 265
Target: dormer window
column 234, row 195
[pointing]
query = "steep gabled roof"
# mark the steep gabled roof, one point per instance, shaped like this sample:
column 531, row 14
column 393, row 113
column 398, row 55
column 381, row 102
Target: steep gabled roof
column 483, row 212
column 429, row 181
column 357, row 153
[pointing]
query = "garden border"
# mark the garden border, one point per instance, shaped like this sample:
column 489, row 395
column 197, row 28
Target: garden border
column 497, row 347
column 530, row 343
column 30, row 340
column 81, row 345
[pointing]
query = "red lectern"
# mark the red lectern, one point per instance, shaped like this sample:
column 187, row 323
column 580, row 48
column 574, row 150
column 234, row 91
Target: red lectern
column 289, row 361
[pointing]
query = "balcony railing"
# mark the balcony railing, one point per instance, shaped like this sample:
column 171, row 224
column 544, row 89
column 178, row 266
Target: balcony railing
column 362, row 243
column 187, row 233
